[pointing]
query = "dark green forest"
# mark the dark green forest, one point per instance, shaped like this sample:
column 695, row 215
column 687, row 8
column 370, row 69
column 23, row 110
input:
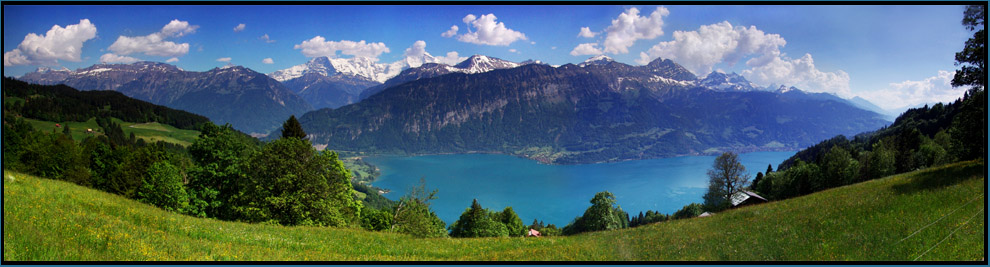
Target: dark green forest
column 64, row 103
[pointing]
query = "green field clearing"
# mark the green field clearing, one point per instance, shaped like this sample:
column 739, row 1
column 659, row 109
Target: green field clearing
column 151, row 132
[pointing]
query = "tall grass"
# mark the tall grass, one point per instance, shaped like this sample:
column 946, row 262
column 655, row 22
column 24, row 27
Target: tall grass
column 935, row 214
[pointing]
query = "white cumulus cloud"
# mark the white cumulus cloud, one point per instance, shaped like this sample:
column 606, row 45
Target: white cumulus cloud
column 172, row 60
column 111, row 58
column 587, row 33
column 586, row 49
column 320, row 47
column 416, row 56
column 223, row 59
column 489, row 32
column 469, row 18
column 14, row 57
column 268, row 61
column 57, row 44
column 630, row 27
column 909, row 93
column 513, row 50
column 155, row 44
column 452, row 58
column 701, row 50
column 451, row 32
column 266, row 38
column 800, row 73
column 177, row 28
column 152, row 45
column 240, row 27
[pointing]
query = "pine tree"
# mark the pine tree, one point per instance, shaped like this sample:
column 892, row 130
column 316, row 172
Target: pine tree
column 292, row 128
column 759, row 176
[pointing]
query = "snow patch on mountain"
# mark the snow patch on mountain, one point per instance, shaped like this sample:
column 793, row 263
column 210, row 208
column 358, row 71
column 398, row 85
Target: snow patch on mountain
column 597, row 60
column 362, row 67
column 480, row 64
column 369, row 69
column 658, row 78
column 721, row 81
column 784, row 89
column 47, row 69
column 93, row 71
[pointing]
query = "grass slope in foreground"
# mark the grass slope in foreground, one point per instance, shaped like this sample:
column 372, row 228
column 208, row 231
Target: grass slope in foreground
column 935, row 214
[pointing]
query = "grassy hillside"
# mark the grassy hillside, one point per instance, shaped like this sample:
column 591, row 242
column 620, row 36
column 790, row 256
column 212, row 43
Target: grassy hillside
column 151, row 132
column 935, row 214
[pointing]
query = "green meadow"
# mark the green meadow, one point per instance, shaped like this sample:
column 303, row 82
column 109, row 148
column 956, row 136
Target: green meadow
column 151, row 132
column 937, row 214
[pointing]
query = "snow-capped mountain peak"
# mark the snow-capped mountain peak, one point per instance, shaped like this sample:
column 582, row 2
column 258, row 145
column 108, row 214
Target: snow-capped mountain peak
column 784, row 89
column 415, row 62
column 362, row 67
column 481, row 63
column 720, row 81
column 531, row 61
column 597, row 60
column 47, row 69
column 366, row 68
column 320, row 65
column 369, row 69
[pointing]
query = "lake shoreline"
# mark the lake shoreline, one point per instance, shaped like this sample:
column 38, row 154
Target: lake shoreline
column 554, row 193
column 545, row 161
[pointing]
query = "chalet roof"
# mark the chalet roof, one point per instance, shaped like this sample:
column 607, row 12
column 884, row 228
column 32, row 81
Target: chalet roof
column 533, row 232
column 706, row 214
column 743, row 195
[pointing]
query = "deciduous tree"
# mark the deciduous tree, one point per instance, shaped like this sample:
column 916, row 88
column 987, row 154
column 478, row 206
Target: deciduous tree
column 163, row 187
column 413, row 215
column 726, row 177
column 604, row 214
column 970, row 126
column 291, row 184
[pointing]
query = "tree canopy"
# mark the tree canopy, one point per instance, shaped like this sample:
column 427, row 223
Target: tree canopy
column 293, row 184
column 604, row 214
column 971, row 124
column 972, row 60
column 478, row 222
column 413, row 215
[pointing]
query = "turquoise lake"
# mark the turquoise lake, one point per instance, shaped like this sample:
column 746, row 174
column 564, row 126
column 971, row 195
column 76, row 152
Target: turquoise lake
column 555, row 193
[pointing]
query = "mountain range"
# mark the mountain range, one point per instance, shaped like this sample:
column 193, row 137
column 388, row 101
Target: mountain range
column 250, row 101
column 472, row 65
column 333, row 82
column 598, row 111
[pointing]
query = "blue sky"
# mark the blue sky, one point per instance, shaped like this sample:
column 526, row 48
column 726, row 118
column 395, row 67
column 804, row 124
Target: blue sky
column 895, row 56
